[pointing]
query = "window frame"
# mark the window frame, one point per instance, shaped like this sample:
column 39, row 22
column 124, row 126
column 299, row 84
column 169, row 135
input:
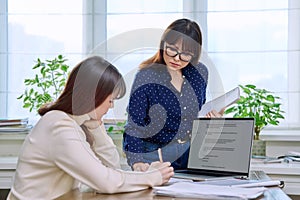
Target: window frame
column 3, row 58
column 95, row 36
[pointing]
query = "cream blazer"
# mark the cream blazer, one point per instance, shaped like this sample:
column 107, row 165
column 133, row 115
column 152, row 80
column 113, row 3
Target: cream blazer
column 55, row 158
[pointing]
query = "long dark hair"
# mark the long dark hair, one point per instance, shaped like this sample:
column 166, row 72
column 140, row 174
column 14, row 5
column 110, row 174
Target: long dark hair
column 89, row 84
column 182, row 29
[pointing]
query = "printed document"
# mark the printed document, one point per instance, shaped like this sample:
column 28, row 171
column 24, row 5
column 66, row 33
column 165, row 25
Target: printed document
column 194, row 190
column 245, row 183
column 220, row 102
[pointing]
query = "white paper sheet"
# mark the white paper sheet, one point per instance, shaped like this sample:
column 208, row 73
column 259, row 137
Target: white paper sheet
column 220, row 102
column 234, row 182
column 194, row 190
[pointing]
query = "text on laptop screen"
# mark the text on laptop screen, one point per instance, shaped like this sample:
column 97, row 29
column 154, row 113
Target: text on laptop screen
column 222, row 144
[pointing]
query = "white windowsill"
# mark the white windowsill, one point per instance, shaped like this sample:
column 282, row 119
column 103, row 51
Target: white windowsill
column 280, row 135
column 280, row 142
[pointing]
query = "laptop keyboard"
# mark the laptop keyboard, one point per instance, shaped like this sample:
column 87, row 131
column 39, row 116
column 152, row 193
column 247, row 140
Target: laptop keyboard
column 258, row 175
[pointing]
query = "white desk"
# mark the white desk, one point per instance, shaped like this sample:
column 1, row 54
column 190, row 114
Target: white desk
column 287, row 172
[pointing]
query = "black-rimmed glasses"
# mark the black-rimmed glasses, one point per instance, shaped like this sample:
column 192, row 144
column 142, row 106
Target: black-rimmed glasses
column 183, row 56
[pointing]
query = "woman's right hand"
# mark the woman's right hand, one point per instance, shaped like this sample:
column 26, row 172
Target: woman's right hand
column 140, row 166
column 165, row 168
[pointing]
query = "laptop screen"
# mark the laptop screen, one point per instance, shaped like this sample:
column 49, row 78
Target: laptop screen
column 221, row 144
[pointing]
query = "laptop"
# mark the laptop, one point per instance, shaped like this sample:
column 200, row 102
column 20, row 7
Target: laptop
column 220, row 148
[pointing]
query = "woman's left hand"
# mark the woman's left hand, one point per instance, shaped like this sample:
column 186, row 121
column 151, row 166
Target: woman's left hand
column 215, row 114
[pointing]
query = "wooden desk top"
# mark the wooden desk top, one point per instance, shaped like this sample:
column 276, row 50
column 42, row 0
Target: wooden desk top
column 271, row 194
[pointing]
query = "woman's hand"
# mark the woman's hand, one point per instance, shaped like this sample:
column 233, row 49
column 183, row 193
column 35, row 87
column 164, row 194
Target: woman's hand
column 215, row 114
column 165, row 169
column 140, row 166
column 92, row 123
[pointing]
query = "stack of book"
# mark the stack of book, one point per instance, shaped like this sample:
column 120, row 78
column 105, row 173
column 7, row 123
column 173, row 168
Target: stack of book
column 14, row 125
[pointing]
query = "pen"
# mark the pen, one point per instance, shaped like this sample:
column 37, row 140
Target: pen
column 159, row 154
column 274, row 161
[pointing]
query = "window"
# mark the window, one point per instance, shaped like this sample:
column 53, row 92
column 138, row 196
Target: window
column 133, row 33
column 246, row 42
column 254, row 41
column 249, row 41
column 48, row 28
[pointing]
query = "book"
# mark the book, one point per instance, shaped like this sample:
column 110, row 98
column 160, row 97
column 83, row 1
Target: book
column 13, row 122
column 17, row 128
column 220, row 102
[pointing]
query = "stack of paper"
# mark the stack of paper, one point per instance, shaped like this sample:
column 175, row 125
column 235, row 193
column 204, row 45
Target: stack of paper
column 194, row 190
column 11, row 125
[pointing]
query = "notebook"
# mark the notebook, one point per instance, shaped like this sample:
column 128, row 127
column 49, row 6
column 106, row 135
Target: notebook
column 220, row 148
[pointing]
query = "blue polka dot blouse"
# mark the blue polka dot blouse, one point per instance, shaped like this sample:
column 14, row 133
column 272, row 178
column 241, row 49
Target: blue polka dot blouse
column 157, row 112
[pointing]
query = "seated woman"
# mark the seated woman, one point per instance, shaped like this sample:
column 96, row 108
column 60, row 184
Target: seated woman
column 69, row 144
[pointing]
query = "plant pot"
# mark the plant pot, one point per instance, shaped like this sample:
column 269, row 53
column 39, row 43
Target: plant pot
column 259, row 148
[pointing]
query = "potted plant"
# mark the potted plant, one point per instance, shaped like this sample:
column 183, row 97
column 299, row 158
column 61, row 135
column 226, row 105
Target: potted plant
column 47, row 83
column 260, row 104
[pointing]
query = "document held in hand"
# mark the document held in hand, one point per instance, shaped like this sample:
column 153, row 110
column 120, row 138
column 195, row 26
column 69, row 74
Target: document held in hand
column 220, row 102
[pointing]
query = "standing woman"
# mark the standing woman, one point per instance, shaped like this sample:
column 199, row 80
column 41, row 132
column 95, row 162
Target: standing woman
column 69, row 144
column 166, row 96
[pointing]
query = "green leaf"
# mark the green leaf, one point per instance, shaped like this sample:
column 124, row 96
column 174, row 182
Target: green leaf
column 230, row 110
column 121, row 124
column 250, row 86
column 26, row 105
column 271, row 98
column 110, row 129
column 64, row 68
column 26, row 98
column 279, row 116
column 273, row 122
column 247, row 91
column 36, row 66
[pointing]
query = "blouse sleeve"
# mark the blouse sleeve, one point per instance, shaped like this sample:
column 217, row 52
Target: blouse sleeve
column 74, row 156
column 104, row 147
